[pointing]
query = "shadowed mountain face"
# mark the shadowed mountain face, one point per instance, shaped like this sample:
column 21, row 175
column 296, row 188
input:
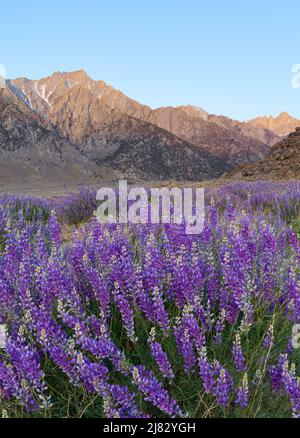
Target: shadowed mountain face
column 282, row 163
column 78, row 126
column 143, row 149
column 32, row 150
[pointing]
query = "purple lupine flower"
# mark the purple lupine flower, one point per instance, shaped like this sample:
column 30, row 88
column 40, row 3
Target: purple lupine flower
column 223, row 386
column 118, row 402
column 220, row 325
column 268, row 341
column 12, row 255
column 126, row 312
column 292, row 387
column 276, row 373
column 289, row 347
column 55, row 230
column 190, row 323
column 206, row 371
column 41, row 249
column 25, row 377
column 203, row 313
column 160, row 356
column 142, row 297
column 238, row 356
column 154, row 392
column 242, row 393
column 9, row 381
column 185, row 345
column 161, row 314
column 92, row 374
column 100, row 290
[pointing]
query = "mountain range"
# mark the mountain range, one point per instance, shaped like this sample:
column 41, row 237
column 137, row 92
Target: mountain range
column 68, row 127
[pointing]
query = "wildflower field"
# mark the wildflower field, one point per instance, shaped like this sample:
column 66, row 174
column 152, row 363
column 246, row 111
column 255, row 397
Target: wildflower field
column 145, row 320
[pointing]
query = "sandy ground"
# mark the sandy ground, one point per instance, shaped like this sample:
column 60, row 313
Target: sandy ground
column 45, row 190
column 37, row 190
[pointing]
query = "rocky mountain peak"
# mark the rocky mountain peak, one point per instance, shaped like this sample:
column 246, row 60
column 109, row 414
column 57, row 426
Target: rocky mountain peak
column 282, row 125
column 194, row 111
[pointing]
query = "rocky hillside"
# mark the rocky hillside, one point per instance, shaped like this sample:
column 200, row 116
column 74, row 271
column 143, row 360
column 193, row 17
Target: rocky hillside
column 282, row 163
column 144, row 149
column 31, row 150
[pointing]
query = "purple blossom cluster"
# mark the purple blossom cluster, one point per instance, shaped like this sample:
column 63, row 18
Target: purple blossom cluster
column 206, row 309
column 238, row 356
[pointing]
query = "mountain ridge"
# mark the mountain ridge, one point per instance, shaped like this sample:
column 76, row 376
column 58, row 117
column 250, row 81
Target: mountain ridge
column 283, row 124
column 94, row 104
column 25, row 157
column 106, row 133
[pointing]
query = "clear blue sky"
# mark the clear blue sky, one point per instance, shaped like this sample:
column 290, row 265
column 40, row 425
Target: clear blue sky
column 229, row 57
